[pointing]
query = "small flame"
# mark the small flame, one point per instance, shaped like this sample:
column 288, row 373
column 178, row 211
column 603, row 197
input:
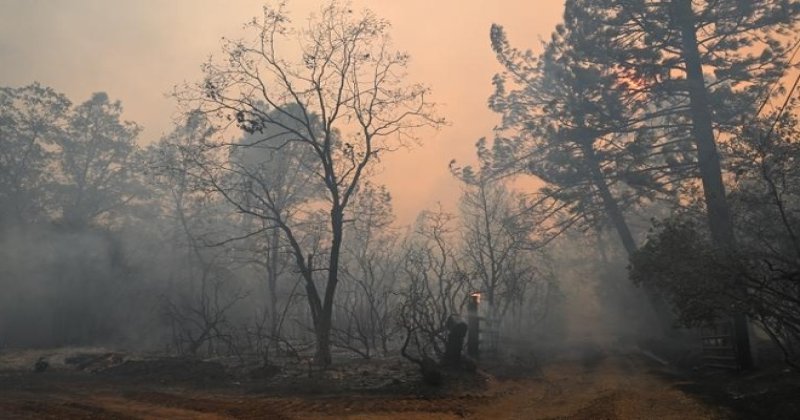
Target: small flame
column 477, row 296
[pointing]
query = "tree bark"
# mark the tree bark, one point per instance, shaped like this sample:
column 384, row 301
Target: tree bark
column 719, row 218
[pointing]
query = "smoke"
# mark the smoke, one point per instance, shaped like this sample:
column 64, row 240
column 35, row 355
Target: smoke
column 72, row 287
column 603, row 306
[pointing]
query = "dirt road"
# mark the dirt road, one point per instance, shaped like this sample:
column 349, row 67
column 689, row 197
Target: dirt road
column 613, row 387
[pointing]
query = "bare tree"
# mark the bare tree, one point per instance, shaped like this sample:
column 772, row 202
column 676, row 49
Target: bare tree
column 341, row 96
column 367, row 316
column 436, row 288
column 498, row 245
column 198, row 311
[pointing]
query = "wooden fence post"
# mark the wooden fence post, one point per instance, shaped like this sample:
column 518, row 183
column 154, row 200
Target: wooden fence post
column 473, row 322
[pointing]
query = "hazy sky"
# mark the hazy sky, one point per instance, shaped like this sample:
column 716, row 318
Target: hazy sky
column 137, row 50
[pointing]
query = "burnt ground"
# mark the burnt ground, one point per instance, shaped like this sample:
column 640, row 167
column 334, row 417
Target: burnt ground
column 593, row 384
column 771, row 392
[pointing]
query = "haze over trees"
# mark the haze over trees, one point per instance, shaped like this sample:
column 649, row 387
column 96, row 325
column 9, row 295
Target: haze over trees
column 628, row 103
column 662, row 137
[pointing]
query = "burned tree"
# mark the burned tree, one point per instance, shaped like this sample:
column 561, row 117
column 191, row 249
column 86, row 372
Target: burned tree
column 198, row 309
column 434, row 295
column 498, row 246
column 341, row 97
column 366, row 312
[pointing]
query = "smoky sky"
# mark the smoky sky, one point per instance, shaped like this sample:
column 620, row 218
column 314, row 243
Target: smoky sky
column 138, row 50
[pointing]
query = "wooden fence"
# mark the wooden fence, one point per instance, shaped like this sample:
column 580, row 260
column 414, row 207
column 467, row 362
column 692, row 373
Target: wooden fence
column 719, row 346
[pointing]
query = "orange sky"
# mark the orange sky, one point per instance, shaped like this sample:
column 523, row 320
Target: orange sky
column 138, row 50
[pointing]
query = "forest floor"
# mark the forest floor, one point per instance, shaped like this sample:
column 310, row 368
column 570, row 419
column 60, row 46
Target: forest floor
column 584, row 384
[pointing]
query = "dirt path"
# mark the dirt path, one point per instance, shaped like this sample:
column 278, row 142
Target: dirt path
column 617, row 387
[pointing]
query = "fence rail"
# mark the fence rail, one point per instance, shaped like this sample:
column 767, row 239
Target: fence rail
column 719, row 348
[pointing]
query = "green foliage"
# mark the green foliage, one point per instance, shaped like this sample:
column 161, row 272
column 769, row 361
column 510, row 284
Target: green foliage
column 679, row 261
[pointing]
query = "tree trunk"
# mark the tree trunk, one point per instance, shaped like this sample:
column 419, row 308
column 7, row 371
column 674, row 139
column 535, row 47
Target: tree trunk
column 719, row 218
column 317, row 311
column 456, row 333
column 323, row 327
column 323, row 334
column 609, row 202
column 660, row 309
column 490, row 330
column 272, row 283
